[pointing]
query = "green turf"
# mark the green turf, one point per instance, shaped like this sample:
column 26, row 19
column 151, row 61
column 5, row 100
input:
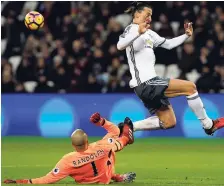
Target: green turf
column 157, row 161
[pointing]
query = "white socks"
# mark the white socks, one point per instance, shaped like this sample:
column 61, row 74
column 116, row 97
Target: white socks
column 195, row 103
column 151, row 123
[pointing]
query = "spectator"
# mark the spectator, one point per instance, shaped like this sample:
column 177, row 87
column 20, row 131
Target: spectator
column 8, row 86
column 61, row 79
column 20, row 89
column 42, row 86
column 213, row 52
column 77, row 50
column 25, row 71
column 13, row 37
column 115, row 31
column 74, row 87
column 222, row 78
column 202, row 61
column 57, row 62
column 221, row 56
column 58, row 45
column 93, row 86
column 68, row 30
column 70, row 66
column 41, row 68
column 201, row 34
column 207, row 82
column 188, row 58
column 102, row 12
column 98, row 62
column 6, row 66
column 165, row 56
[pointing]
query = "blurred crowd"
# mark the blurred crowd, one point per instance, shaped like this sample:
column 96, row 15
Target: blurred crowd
column 76, row 49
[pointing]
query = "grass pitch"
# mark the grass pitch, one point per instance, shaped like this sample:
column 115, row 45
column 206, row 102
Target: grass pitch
column 156, row 161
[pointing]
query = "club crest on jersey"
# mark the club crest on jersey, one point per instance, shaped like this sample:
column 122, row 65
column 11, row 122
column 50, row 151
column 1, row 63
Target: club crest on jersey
column 148, row 43
column 56, row 170
column 110, row 140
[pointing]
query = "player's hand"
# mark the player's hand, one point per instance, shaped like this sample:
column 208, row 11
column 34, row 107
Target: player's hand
column 188, row 28
column 143, row 27
column 8, row 181
column 97, row 119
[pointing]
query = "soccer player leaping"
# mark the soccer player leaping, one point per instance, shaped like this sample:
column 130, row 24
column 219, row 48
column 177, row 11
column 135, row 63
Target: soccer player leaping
column 91, row 163
column 140, row 42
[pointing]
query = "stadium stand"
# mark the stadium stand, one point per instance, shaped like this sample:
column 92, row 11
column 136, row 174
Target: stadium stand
column 76, row 50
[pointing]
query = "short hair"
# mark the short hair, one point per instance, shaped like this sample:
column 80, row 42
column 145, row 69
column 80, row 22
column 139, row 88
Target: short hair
column 137, row 6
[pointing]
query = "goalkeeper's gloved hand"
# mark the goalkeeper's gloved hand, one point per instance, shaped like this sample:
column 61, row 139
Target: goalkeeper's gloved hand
column 25, row 181
column 97, row 119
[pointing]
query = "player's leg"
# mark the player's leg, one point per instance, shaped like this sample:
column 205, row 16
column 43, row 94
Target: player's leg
column 186, row 88
column 164, row 119
column 178, row 87
column 152, row 95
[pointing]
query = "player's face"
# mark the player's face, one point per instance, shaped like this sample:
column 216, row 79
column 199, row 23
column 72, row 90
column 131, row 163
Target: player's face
column 145, row 15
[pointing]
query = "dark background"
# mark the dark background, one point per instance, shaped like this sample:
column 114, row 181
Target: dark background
column 76, row 51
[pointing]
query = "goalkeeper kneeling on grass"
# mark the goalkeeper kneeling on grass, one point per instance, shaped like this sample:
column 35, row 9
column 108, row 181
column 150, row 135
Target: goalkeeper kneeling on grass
column 91, row 163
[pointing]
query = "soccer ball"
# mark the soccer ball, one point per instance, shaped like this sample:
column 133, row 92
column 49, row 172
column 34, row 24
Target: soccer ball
column 34, row 20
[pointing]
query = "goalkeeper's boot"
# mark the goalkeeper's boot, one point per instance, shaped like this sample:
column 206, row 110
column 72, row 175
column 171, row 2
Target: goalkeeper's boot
column 217, row 124
column 128, row 130
column 128, row 121
column 121, row 126
column 125, row 178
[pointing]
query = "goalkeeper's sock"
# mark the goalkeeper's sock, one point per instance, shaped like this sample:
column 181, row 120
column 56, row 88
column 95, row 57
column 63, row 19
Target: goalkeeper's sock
column 117, row 178
column 121, row 142
column 151, row 123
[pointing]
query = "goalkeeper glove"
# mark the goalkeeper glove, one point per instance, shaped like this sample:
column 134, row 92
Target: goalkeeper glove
column 25, row 181
column 97, row 119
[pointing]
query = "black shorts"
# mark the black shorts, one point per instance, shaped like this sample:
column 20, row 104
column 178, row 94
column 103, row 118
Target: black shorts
column 152, row 95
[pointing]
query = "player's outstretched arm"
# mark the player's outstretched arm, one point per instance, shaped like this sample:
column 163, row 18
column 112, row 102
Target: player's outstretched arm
column 49, row 178
column 177, row 41
column 60, row 172
column 113, row 130
column 52, row 177
column 57, row 174
column 130, row 34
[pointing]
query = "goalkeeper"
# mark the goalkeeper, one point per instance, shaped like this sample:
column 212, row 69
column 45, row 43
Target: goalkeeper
column 91, row 163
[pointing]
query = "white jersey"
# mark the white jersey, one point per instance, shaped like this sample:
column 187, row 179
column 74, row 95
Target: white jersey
column 140, row 55
column 140, row 52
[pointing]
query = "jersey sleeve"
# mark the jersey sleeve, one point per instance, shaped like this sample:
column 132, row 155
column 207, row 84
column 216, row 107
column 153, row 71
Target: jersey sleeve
column 169, row 44
column 60, row 171
column 175, row 42
column 114, row 144
column 112, row 130
column 157, row 40
column 127, row 38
